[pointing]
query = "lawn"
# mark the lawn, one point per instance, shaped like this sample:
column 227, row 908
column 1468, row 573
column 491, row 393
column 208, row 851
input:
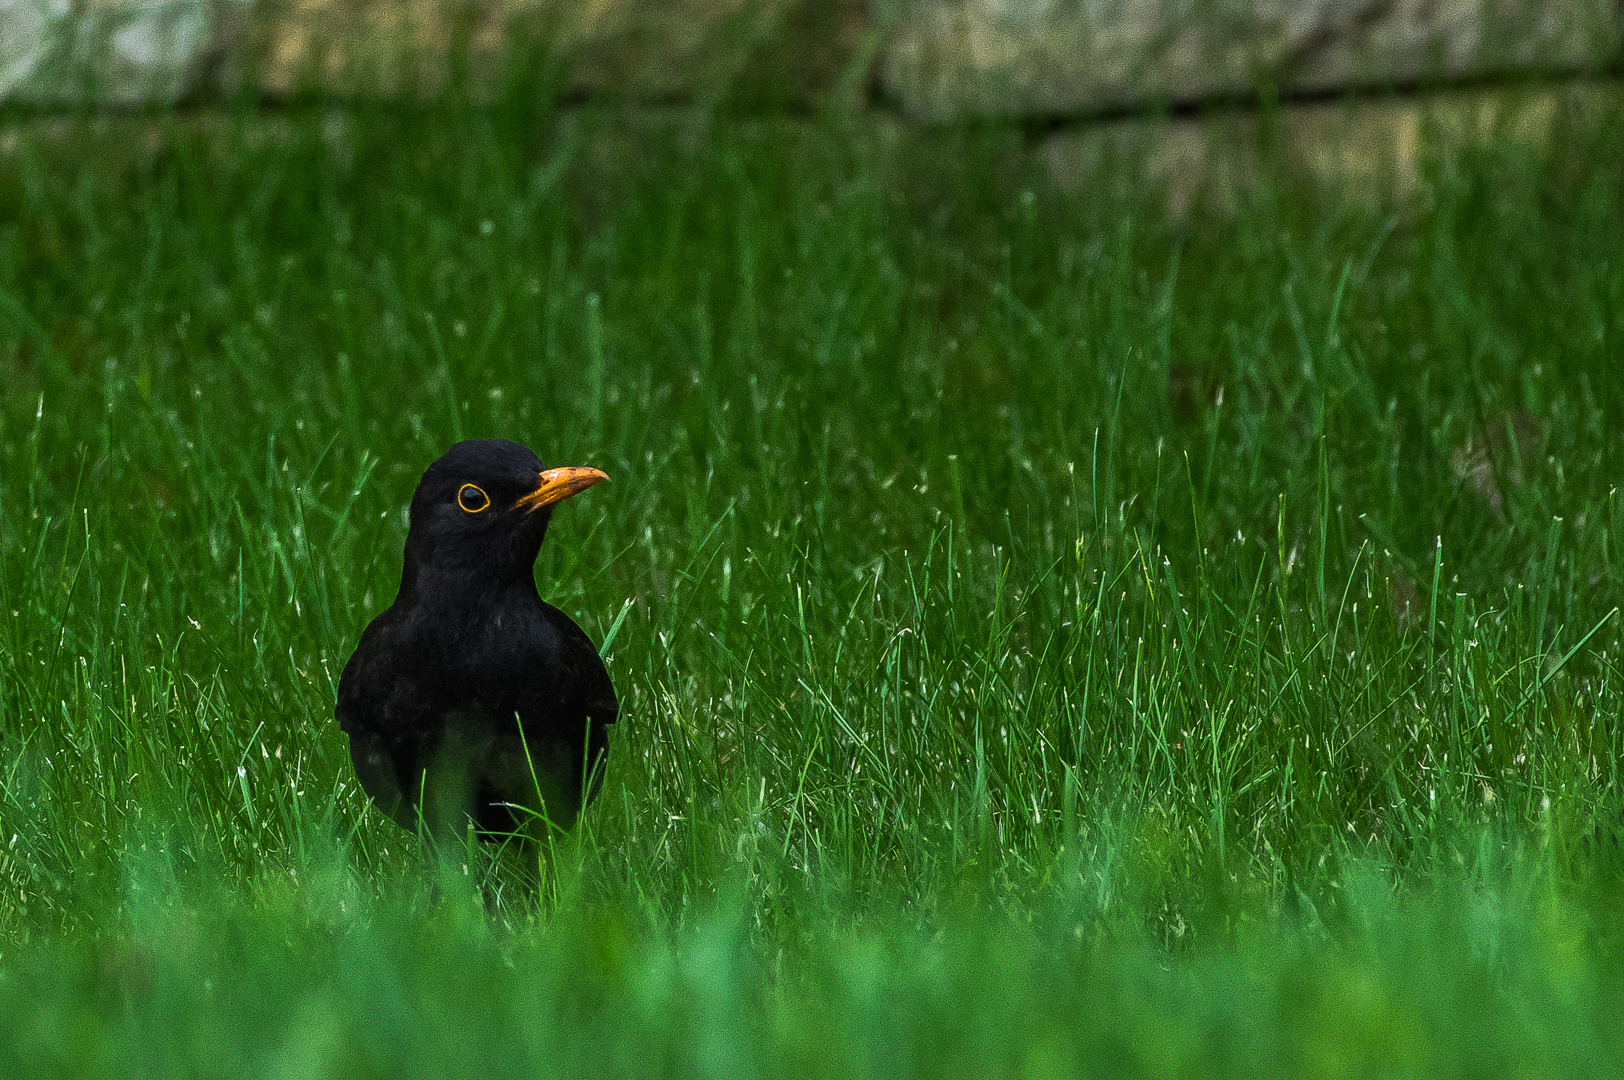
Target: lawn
column 1058, row 630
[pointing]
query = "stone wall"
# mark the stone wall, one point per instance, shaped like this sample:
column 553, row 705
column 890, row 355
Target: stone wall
column 934, row 58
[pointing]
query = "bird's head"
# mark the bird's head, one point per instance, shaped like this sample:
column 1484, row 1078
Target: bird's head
column 483, row 509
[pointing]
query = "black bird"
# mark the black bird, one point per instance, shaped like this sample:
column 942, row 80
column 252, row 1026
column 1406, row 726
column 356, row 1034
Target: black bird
column 471, row 697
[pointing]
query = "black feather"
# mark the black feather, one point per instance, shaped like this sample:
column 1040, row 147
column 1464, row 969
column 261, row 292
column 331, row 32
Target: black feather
column 471, row 697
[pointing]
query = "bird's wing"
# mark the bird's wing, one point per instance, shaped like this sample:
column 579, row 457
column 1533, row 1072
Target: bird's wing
column 358, row 683
column 366, row 697
column 581, row 676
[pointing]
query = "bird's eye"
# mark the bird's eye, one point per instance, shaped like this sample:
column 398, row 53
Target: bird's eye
column 473, row 499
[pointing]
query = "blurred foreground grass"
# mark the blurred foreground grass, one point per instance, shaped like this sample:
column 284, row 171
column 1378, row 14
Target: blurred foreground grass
column 1053, row 633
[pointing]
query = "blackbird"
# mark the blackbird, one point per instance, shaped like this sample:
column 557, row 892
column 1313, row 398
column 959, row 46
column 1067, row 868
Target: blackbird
column 471, row 697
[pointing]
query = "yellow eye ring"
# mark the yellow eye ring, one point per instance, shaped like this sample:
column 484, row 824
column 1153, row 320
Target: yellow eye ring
column 472, row 498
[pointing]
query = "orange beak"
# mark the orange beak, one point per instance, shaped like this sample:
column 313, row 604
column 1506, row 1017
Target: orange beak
column 557, row 484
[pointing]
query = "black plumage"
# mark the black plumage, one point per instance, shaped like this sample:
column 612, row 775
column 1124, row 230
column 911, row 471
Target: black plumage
column 471, row 697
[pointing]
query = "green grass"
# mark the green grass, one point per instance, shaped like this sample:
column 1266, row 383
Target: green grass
column 1053, row 634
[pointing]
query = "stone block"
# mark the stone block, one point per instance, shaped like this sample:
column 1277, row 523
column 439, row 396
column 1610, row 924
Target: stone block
column 947, row 58
column 1372, row 152
column 129, row 51
column 123, row 52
